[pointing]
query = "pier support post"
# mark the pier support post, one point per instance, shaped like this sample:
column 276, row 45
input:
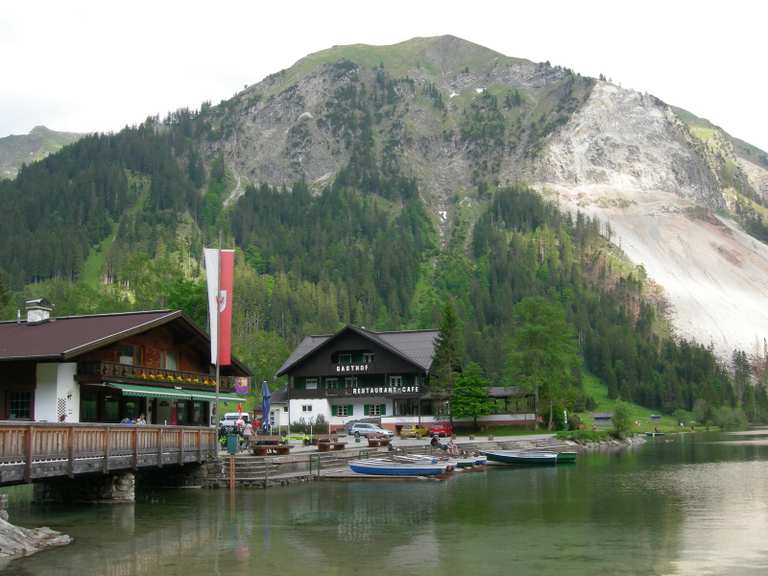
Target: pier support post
column 114, row 488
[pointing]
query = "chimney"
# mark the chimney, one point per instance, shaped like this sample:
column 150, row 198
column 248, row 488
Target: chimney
column 38, row 310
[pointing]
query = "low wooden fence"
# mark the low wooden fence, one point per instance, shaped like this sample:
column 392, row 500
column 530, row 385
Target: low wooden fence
column 42, row 450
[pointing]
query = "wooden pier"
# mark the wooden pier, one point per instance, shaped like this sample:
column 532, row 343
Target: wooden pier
column 37, row 451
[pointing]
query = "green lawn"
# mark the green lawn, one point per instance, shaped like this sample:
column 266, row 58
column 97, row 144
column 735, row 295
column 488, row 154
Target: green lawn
column 642, row 416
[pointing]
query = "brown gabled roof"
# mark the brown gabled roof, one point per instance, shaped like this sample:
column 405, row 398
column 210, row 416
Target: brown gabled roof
column 414, row 346
column 67, row 337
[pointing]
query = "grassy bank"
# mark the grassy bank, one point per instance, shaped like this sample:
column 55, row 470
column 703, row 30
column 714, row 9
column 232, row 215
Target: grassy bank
column 640, row 416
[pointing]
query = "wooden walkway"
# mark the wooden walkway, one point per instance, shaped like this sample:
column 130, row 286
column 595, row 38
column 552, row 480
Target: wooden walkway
column 37, row 451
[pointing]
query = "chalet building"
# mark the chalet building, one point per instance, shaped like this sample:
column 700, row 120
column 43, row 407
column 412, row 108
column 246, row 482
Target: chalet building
column 358, row 373
column 108, row 367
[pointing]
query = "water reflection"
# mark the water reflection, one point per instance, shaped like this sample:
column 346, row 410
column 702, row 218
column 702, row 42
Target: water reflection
column 690, row 506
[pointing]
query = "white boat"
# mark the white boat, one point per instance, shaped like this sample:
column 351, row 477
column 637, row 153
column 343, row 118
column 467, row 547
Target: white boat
column 382, row 467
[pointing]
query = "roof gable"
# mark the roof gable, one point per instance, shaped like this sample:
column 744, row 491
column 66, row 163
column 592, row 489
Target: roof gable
column 60, row 339
column 415, row 347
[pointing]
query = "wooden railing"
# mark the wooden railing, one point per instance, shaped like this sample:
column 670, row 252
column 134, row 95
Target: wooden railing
column 149, row 375
column 113, row 446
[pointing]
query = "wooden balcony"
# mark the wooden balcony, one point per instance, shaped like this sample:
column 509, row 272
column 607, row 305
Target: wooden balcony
column 97, row 372
column 36, row 451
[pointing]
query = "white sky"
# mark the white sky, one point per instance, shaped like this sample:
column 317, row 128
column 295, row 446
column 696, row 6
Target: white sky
column 86, row 66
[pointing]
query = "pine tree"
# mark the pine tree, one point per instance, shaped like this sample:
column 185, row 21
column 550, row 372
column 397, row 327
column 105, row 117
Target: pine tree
column 446, row 365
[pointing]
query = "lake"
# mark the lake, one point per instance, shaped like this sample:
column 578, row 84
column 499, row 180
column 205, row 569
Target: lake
column 697, row 504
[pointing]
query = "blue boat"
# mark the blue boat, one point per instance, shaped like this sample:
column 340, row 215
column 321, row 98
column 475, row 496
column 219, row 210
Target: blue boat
column 381, row 467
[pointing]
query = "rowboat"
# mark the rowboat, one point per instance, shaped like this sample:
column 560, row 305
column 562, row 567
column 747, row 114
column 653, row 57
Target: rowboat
column 565, row 457
column 381, row 467
column 653, row 434
column 530, row 457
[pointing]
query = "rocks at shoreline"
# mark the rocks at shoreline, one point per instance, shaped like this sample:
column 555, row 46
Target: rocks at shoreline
column 16, row 541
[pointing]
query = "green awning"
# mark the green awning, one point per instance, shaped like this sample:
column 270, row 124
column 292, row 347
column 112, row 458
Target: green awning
column 178, row 393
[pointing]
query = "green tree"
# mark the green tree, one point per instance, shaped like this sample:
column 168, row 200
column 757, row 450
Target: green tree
column 191, row 297
column 470, row 395
column 543, row 353
column 446, row 365
column 622, row 421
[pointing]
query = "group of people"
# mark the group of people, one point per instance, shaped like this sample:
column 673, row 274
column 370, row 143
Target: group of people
column 244, row 429
column 451, row 447
column 140, row 421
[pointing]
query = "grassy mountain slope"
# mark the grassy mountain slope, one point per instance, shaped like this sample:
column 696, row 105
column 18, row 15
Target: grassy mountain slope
column 16, row 150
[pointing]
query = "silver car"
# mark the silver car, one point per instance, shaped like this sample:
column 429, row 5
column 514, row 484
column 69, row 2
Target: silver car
column 368, row 429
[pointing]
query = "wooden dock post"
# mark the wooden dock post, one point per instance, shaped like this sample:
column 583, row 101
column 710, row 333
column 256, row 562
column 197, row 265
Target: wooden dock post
column 232, row 473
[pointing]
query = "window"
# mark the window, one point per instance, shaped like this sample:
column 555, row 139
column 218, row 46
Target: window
column 375, row 409
column 285, row 408
column 367, row 357
column 306, row 407
column 111, row 408
column 395, row 380
column 346, row 410
column 332, row 384
column 130, row 355
column 345, row 357
column 169, row 361
column 20, row 405
column 350, row 381
column 310, row 383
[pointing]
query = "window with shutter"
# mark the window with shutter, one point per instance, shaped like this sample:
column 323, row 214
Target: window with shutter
column 366, row 410
column 350, row 409
column 334, row 410
column 382, row 409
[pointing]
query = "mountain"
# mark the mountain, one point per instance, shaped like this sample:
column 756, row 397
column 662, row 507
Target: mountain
column 370, row 184
column 16, row 150
column 681, row 195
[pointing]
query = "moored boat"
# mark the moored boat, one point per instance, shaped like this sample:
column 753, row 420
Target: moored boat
column 565, row 457
column 381, row 467
column 530, row 457
column 654, row 434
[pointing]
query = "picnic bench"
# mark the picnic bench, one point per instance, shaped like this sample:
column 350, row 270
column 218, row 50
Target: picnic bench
column 327, row 442
column 377, row 441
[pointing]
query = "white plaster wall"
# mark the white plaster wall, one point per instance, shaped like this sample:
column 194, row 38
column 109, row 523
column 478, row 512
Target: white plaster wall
column 319, row 406
column 69, row 390
column 281, row 415
column 57, row 381
column 45, row 392
column 358, row 409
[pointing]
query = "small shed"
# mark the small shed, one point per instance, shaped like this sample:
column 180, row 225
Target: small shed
column 603, row 419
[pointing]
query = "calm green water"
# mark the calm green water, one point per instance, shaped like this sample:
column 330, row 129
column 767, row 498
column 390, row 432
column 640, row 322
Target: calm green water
column 694, row 505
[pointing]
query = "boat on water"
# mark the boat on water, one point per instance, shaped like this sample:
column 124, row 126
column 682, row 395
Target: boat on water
column 468, row 462
column 528, row 457
column 566, row 457
column 382, row 467
column 654, row 434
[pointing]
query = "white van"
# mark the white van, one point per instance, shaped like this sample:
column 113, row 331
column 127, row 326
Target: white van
column 229, row 421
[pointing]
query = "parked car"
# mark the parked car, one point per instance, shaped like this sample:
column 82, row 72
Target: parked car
column 369, row 429
column 413, row 431
column 441, row 429
column 371, row 420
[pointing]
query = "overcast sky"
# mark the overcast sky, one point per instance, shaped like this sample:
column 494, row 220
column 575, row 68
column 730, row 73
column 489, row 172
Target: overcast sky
column 97, row 66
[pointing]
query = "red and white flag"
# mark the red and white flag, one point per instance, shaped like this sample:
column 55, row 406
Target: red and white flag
column 219, row 269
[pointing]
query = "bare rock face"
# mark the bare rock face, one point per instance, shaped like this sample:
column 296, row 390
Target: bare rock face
column 625, row 158
column 623, row 139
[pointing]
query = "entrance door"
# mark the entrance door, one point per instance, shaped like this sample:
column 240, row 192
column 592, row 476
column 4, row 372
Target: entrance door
column 163, row 412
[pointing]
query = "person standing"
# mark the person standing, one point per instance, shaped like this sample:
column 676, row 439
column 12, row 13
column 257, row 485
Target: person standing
column 247, row 434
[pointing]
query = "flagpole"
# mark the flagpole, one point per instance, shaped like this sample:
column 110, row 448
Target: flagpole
column 218, row 334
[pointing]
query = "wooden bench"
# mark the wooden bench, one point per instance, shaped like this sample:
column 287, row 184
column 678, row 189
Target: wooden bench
column 327, row 442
